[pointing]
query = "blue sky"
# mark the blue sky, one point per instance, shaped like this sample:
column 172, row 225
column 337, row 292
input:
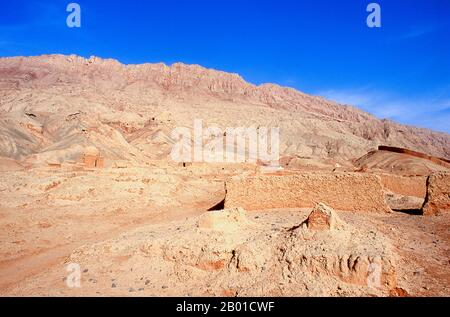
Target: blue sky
column 400, row 71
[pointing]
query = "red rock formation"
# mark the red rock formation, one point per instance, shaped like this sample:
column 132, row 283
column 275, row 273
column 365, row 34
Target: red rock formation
column 440, row 161
column 322, row 218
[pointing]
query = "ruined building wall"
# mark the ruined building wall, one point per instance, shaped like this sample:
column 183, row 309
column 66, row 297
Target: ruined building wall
column 91, row 161
column 346, row 191
column 409, row 186
column 438, row 194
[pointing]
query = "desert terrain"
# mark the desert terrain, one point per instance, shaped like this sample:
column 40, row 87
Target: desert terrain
column 358, row 206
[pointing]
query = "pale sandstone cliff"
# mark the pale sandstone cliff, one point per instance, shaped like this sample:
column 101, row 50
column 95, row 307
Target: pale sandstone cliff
column 56, row 102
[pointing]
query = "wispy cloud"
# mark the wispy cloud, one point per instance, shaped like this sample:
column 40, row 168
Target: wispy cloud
column 419, row 30
column 429, row 112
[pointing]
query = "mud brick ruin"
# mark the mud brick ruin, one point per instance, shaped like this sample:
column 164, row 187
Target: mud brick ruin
column 438, row 194
column 92, row 158
column 346, row 191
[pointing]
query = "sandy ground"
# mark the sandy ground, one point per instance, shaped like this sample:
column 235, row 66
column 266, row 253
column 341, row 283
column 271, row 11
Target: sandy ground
column 38, row 233
column 49, row 219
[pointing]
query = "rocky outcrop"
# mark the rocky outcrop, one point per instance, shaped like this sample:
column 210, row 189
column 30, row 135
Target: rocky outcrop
column 322, row 218
column 407, row 203
column 438, row 194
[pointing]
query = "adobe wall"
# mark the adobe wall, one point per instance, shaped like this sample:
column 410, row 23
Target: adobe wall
column 100, row 162
column 438, row 194
column 343, row 191
column 91, row 161
column 218, row 168
column 408, row 186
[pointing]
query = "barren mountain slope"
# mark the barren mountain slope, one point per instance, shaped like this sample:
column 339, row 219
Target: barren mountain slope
column 52, row 104
column 397, row 163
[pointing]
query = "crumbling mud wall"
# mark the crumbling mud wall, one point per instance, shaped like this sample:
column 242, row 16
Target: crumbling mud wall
column 346, row 191
column 93, row 161
column 415, row 186
column 438, row 194
column 219, row 168
column 92, row 158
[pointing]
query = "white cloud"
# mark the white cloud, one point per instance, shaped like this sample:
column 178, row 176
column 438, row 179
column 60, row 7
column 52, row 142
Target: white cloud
column 421, row 30
column 432, row 112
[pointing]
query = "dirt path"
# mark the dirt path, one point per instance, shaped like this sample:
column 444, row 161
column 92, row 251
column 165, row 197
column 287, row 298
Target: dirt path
column 16, row 270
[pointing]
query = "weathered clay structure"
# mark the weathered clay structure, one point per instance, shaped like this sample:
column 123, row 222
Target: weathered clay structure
column 92, row 158
column 438, row 194
column 223, row 220
column 415, row 186
column 322, row 218
column 341, row 191
column 54, row 164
